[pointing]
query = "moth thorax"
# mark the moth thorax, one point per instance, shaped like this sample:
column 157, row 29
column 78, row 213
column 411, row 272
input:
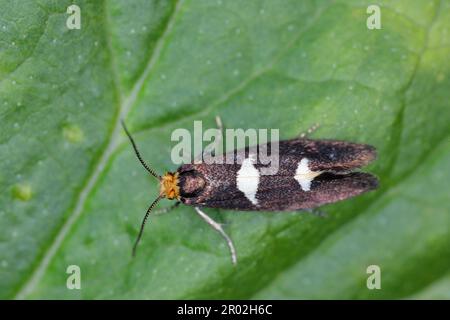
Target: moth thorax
column 192, row 184
column 169, row 186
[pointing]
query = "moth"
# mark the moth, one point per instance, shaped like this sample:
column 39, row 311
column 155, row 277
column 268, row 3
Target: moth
column 311, row 173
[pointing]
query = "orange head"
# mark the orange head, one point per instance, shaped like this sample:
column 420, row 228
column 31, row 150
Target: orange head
column 169, row 186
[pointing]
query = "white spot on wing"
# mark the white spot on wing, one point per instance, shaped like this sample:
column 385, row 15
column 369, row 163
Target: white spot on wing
column 247, row 180
column 304, row 175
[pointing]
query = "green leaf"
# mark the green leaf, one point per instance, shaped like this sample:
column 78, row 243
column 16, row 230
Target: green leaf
column 72, row 192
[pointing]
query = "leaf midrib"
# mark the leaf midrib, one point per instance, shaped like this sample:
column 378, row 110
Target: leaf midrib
column 113, row 142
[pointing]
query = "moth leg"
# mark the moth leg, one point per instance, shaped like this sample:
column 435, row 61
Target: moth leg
column 167, row 209
column 217, row 142
column 219, row 123
column 317, row 212
column 205, row 153
column 219, row 229
column 309, row 132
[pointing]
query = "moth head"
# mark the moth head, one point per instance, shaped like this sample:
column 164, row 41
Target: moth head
column 169, row 186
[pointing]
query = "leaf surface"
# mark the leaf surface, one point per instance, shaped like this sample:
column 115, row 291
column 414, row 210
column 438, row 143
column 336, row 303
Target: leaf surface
column 72, row 192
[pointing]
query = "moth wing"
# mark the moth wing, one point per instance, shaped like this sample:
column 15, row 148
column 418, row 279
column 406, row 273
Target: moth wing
column 283, row 191
column 280, row 193
column 284, row 194
column 324, row 155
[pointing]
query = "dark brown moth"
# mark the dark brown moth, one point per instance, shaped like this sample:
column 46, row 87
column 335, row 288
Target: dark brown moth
column 311, row 173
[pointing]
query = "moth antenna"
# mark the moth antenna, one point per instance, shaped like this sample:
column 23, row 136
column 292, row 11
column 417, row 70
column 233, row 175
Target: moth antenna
column 138, row 155
column 141, row 231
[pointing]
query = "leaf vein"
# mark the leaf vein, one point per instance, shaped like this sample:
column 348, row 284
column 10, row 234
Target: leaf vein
column 124, row 109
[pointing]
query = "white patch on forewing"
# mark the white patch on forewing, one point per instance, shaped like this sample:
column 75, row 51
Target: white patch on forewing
column 304, row 175
column 247, row 180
